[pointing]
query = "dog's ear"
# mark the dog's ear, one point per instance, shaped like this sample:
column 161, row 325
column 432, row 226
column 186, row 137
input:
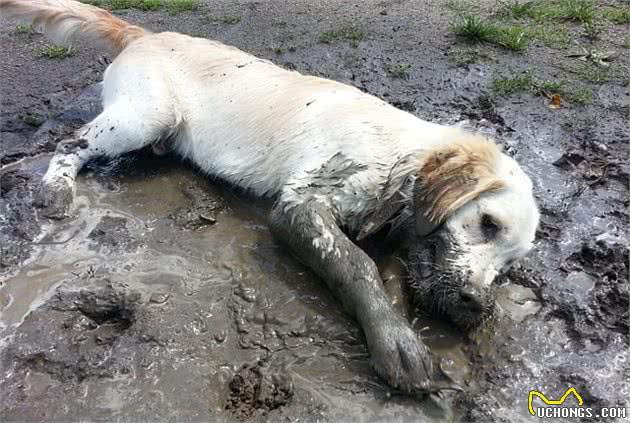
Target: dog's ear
column 436, row 185
column 454, row 175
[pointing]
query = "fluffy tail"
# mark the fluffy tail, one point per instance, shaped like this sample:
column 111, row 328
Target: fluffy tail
column 64, row 20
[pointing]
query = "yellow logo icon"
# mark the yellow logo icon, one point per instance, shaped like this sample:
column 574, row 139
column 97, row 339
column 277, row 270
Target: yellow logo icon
column 547, row 401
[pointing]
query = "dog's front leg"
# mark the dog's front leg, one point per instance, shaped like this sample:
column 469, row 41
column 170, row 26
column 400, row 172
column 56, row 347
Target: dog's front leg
column 396, row 353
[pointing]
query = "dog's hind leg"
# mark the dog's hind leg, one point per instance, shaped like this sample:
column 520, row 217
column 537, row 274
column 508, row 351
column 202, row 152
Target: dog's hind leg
column 122, row 127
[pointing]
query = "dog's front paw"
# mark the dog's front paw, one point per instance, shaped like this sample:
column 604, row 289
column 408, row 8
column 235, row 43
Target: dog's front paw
column 400, row 357
column 54, row 199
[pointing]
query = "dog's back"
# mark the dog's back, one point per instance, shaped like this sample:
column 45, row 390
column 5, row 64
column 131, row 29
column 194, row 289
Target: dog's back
column 238, row 117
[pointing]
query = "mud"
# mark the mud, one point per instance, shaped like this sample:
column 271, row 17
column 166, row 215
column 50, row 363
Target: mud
column 253, row 391
column 165, row 298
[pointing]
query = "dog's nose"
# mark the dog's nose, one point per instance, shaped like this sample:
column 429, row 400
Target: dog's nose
column 471, row 298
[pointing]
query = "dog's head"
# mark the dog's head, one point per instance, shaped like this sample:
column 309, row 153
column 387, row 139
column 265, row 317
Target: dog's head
column 472, row 214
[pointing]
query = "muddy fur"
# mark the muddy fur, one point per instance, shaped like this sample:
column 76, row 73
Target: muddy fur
column 436, row 284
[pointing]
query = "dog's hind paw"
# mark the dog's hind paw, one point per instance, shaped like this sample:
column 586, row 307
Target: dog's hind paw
column 54, row 199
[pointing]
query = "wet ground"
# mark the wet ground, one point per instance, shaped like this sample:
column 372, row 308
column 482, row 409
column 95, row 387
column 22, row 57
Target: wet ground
column 166, row 298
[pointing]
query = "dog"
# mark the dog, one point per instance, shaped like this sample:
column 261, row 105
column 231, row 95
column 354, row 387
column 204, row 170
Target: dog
column 340, row 164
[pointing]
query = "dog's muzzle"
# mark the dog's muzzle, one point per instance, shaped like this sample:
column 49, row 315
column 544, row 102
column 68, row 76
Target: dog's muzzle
column 442, row 288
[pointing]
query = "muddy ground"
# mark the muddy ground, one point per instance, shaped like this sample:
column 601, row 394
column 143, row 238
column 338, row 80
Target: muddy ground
column 165, row 297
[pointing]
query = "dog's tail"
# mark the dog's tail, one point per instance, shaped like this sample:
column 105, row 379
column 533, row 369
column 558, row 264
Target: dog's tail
column 65, row 20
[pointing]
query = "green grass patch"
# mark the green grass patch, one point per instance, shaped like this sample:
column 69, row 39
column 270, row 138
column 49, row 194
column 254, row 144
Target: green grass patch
column 351, row 33
column 575, row 10
column 52, row 51
column 581, row 96
column 526, row 83
column 515, row 9
column 32, row 119
column 398, row 70
column 518, row 84
column 550, row 87
column 552, row 36
column 23, row 29
column 476, row 30
column 173, row 6
column 177, row 6
column 576, row 95
column 512, row 37
column 548, row 10
column 592, row 72
column 593, row 29
column 617, row 15
column 225, row 19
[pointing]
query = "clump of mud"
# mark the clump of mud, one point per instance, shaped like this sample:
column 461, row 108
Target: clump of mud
column 202, row 211
column 113, row 232
column 253, row 389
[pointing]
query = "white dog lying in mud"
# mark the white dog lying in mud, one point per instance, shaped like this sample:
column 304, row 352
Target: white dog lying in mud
column 336, row 160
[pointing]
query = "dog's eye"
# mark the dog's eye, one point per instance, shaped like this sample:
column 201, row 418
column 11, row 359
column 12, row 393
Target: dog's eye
column 489, row 226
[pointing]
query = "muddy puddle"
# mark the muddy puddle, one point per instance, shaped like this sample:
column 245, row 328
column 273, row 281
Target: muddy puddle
column 162, row 288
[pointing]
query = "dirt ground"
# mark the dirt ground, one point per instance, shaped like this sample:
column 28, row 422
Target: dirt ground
column 165, row 297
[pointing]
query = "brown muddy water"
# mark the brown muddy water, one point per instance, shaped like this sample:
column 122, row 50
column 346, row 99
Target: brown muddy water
column 163, row 286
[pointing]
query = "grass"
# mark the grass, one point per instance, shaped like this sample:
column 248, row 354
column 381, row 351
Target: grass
column 23, row 29
column 197, row 34
column 626, row 42
column 52, row 51
column 548, row 10
column 526, row 83
column 592, row 72
column 516, row 22
column 550, row 87
column 576, row 95
column 617, row 15
column 581, row 96
column 552, row 36
column 509, row 86
column 515, row 9
column 173, row 6
column 225, row 19
column 593, row 29
column 278, row 50
column 351, row 33
column 32, row 119
column 398, row 70
column 476, row 30
column 512, row 37
column 575, row 10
